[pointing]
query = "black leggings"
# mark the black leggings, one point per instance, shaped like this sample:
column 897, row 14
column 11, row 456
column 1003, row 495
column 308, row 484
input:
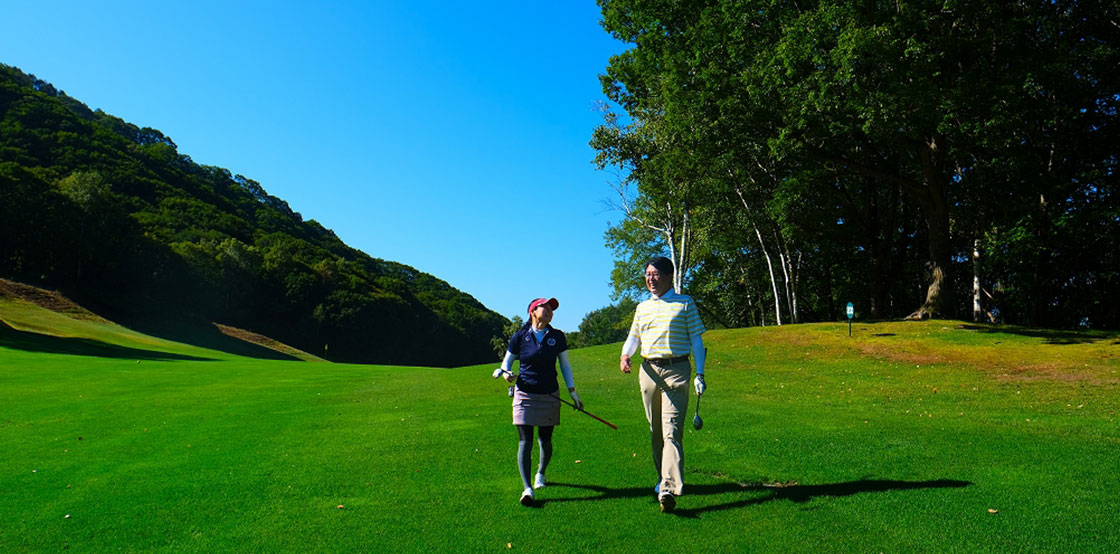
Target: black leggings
column 525, row 454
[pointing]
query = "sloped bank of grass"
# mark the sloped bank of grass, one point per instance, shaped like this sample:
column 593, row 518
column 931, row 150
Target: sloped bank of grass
column 56, row 325
column 25, row 326
column 903, row 437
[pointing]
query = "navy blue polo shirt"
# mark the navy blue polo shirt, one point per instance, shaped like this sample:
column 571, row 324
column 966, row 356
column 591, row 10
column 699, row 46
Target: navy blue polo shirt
column 538, row 359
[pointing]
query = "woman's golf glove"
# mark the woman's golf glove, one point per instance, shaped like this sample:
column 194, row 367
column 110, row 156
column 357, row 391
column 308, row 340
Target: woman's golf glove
column 576, row 400
column 699, row 382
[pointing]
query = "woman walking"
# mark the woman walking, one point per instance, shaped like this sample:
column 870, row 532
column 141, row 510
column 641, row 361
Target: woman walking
column 535, row 402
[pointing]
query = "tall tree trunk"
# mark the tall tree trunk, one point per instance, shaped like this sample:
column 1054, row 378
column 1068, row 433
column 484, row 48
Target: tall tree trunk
column 677, row 241
column 773, row 281
column 939, row 294
column 785, row 282
column 787, row 273
column 769, row 265
column 933, row 197
column 796, row 273
column 681, row 262
column 977, row 308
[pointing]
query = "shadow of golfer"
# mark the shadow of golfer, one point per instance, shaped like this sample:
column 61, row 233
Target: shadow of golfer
column 805, row 493
column 793, row 493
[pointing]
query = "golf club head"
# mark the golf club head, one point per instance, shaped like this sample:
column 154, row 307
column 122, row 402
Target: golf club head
column 697, row 423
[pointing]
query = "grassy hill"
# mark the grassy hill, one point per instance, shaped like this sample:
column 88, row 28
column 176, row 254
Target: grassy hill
column 36, row 319
column 113, row 215
column 936, row 436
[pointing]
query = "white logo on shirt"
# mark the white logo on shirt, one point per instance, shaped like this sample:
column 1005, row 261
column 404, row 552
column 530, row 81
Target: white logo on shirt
column 551, row 342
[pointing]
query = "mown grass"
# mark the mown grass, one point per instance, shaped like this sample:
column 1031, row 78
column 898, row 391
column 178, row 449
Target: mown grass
column 901, row 438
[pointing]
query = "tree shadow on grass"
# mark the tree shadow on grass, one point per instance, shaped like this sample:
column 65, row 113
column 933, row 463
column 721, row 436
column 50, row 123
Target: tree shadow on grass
column 35, row 342
column 793, row 493
column 1050, row 336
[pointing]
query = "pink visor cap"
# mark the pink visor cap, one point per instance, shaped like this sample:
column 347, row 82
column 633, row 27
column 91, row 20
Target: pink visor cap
column 550, row 302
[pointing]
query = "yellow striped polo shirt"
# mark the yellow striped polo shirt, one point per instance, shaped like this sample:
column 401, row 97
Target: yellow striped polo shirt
column 665, row 326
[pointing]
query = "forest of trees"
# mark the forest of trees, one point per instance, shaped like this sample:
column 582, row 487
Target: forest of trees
column 921, row 159
column 114, row 216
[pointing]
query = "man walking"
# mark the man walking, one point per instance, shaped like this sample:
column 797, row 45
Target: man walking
column 669, row 329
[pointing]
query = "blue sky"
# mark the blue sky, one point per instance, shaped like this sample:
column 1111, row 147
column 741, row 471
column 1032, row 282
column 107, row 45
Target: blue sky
column 451, row 137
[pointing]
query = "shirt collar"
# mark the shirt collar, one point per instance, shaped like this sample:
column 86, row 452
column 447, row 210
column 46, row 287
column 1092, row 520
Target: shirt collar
column 669, row 294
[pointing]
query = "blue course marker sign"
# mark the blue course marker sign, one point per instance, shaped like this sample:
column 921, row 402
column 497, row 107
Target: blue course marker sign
column 851, row 314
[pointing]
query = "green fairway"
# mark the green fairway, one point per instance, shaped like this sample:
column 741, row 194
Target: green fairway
column 907, row 437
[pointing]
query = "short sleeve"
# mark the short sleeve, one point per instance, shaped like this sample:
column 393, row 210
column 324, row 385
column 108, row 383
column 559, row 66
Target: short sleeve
column 634, row 326
column 695, row 324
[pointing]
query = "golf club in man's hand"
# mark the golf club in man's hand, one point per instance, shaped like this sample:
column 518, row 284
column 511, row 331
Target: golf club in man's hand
column 701, row 386
column 697, row 423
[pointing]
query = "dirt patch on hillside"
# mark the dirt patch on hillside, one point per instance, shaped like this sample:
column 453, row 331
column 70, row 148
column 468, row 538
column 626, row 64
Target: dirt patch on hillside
column 267, row 342
column 48, row 299
column 906, row 352
column 1004, row 366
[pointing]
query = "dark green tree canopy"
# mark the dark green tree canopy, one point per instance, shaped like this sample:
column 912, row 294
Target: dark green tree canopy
column 607, row 325
column 793, row 135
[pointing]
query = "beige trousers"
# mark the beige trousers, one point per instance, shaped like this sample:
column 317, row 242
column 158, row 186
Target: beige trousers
column 665, row 396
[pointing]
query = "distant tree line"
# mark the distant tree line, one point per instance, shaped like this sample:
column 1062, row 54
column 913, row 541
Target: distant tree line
column 606, row 325
column 921, row 159
column 114, row 215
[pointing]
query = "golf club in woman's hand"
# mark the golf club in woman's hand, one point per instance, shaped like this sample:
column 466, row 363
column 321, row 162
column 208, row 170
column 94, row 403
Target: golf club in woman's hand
column 578, row 404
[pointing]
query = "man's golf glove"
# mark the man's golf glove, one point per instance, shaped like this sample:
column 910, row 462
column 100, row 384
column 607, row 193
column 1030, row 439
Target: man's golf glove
column 576, row 400
column 699, row 382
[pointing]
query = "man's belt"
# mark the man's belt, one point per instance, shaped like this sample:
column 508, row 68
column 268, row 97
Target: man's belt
column 668, row 361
